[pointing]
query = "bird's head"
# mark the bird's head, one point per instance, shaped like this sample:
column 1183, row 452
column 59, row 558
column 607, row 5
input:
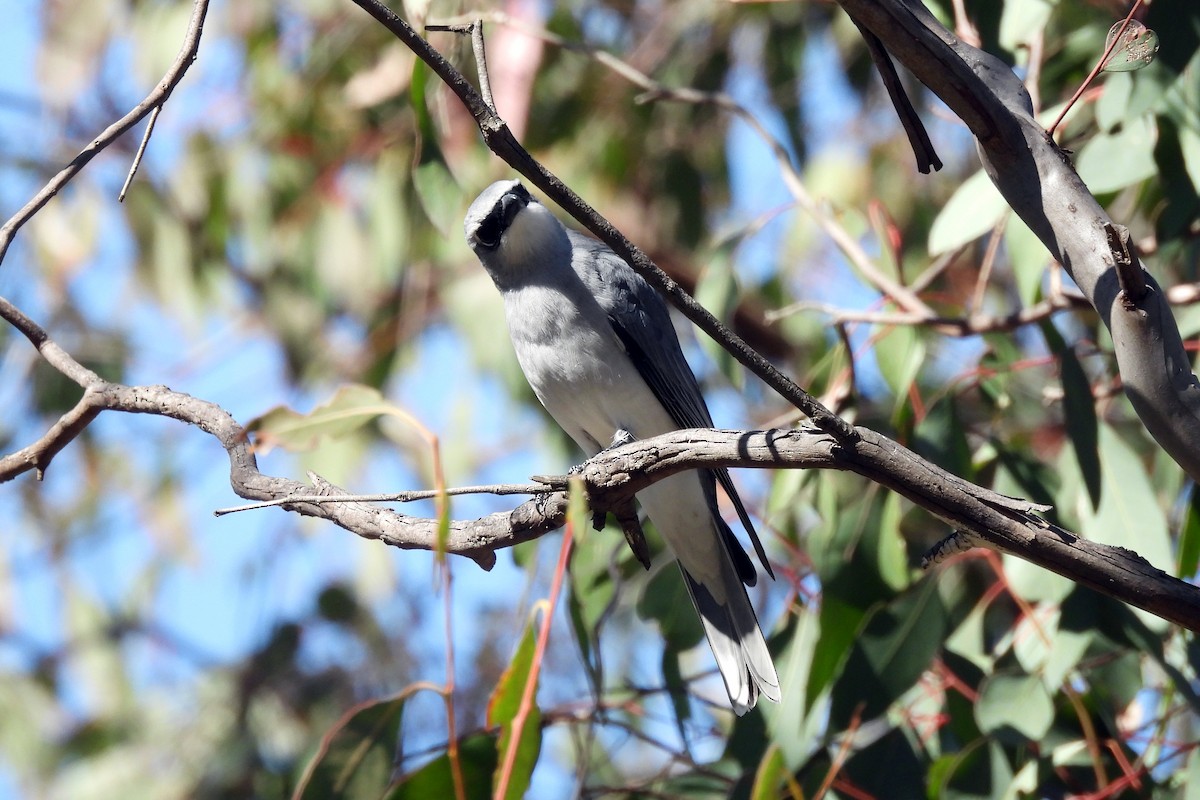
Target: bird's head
column 514, row 235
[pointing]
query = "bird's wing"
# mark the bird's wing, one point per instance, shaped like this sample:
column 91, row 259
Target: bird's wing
column 640, row 318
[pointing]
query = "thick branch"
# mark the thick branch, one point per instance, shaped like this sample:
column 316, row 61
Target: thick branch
column 1002, row 522
column 615, row 476
column 1039, row 182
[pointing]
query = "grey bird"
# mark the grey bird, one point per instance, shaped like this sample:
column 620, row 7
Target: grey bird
column 597, row 345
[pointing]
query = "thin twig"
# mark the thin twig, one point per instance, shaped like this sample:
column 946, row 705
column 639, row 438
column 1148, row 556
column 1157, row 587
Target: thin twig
column 391, row 497
column 477, row 46
column 1083, row 87
column 474, row 29
column 137, row 157
column 935, row 270
column 62, row 433
column 972, row 325
column 187, row 54
column 985, row 266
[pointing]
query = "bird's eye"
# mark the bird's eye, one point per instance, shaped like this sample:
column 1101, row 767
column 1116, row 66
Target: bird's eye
column 488, row 233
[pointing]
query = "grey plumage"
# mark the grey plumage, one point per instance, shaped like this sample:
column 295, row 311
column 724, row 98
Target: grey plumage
column 597, row 346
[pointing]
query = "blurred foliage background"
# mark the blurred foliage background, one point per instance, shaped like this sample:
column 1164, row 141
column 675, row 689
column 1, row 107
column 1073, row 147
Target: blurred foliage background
column 296, row 228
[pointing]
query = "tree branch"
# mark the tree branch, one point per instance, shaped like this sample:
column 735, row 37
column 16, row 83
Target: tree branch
column 153, row 101
column 1041, row 185
column 613, row 477
column 501, row 141
column 1002, row 523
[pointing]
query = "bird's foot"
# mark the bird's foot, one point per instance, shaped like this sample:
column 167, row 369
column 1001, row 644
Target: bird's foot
column 631, row 526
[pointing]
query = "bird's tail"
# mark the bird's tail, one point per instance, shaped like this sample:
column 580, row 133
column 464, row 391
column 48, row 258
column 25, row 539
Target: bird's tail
column 736, row 640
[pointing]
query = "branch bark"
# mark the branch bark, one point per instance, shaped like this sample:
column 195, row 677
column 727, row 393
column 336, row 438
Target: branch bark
column 1041, row 185
column 613, row 477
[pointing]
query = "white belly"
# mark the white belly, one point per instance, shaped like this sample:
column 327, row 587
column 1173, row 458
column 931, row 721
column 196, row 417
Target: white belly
column 579, row 371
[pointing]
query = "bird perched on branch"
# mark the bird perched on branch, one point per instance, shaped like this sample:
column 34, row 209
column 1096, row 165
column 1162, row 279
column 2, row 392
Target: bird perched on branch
column 597, row 346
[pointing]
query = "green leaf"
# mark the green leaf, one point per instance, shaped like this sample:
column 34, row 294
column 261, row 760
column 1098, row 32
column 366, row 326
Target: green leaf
column 477, row 758
column 439, row 195
column 1022, row 21
column 895, row 647
column 673, row 677
column 973, row 210
column 503, row 708
column 889, row 549
column 1112, row 107
column 357, row 755
column 666, row 601
column 717, row 290
column 840, row 626
column 1135, row 48
column 1188, row 558
column 349, row 409
column 981, row 769
column 902, row 774
column 1045, row 647
column 1033, row 583
column 900, row 353
column 1189, row 146
column 772, row 773
column 1112, row 161
column 796, row 724
column 1129, row 514
column 1028, row 258
column 1014, row 707
column 592, row 589
column 711, row 783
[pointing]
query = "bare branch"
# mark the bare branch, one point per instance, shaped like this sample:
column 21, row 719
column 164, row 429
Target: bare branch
column 972, row 325
column 613, row 478
column 38, row 455
column 153, row 101
column 141, row 151
column 399, row 497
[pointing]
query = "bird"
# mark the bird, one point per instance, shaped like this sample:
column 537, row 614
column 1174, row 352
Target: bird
column 597, row 346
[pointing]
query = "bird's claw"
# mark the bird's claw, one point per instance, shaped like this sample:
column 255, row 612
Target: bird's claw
column 632, row 528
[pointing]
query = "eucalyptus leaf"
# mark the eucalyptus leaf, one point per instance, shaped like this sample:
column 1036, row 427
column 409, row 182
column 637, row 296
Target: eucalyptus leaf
column 349, row 409
column 356, row 760
column 518, row 748
column 1014, row 707
column 974, row 209
column 1135, row 46
column 1112, row 161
